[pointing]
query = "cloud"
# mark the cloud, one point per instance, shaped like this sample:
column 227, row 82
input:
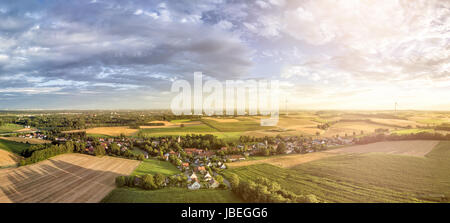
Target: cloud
column 114, row 48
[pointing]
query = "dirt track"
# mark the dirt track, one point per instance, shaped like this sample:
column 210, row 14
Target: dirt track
column 69, row 178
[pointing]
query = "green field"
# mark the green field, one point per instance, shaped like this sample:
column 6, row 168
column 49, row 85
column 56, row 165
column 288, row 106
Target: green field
column 180, row 120
column 187, row 129
column 14, row 147
column 153, row 166
column 170, row 195
column 196, row 129
column 365, row 177
column 412, row 131
column 6, row 128
column 242, row 125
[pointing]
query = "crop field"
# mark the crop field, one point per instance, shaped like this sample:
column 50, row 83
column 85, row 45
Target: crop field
column 368, row 177
column 26, row 140
column 8, row 159
column 285, row 161
column 171, row 124
column 348, row 127
column 10, row 151
column 111, row 131
column 407, row 147
column 395, row 122
column 14, row 147
column 153, row 166
column 242, row 124
column 170, row 195
column 5, row 128
column 65, row 178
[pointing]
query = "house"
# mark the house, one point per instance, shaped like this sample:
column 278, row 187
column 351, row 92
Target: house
column 213, row 183
column 193, row 177
column 193, row 151
column 207, row 177
column 236, row 158
column 200, row 169
column 223, row 166
column 194, row 186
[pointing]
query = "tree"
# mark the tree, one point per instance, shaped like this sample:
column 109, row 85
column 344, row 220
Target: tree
column 141, row 157
column 219, row 179
column 281, row 149
column 148, row 182
column 99, row 150
column 120, row 181
column 159, row 180
column 234, row 181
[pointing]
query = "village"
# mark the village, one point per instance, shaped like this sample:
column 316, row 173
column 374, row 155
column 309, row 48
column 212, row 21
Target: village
column 200, row 167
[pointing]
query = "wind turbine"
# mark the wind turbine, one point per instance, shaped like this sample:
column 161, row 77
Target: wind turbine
column 396, row 106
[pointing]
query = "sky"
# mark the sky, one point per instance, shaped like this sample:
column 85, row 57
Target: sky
column 352, row 54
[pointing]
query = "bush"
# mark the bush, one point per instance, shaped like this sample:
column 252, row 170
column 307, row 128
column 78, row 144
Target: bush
column 311, row 198
column 129, row 181
column 148, row 182
column 120, row 181
column 234, row 181
column 264, row 190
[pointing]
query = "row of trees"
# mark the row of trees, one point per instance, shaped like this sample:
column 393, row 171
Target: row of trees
column 147, row 182
column 262, row 190
column 46, row 152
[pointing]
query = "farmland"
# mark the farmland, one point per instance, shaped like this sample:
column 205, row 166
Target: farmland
column 111, row 131
column 8, row 159
column 6, row 128
column 11, row 146
column 26, row 140
column 411, row 148
column 366, row 177
column 170, row 195
column 64, row 178
column 153, row 166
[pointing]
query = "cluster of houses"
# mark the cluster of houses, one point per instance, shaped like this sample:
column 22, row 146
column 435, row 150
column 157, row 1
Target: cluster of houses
column 36, row 135
column 195, row 181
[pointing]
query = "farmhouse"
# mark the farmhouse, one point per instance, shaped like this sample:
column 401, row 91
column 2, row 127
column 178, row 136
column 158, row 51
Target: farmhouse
column 193, row 177
column 207, row 177
column 213, row 183
column 194, row 151
column 233, row 158
column 194, row 186
column 200, row 169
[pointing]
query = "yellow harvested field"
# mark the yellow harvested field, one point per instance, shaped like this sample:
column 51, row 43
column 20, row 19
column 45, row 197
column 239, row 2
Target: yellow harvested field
column 25, row 130
column 25, row 140
column 170, row 124
column 224, row 120
column 397, row 122
column 408, row 147
column 68, row 178
column 8, row 158
column 112, row 131
column 348, row 128
column 284, row 161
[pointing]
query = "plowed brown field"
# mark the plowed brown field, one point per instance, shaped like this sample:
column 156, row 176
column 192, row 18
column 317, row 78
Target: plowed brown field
column 66, row 178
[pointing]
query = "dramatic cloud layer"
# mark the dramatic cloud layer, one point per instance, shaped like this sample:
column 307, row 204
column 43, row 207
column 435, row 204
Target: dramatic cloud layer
column 327, row 54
